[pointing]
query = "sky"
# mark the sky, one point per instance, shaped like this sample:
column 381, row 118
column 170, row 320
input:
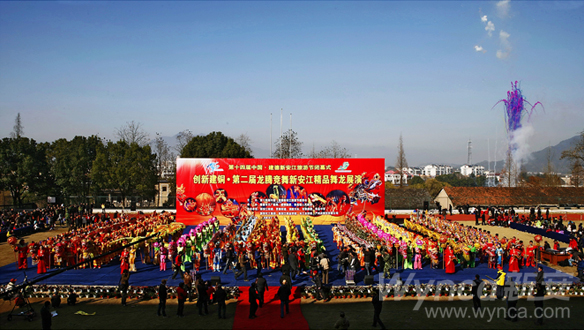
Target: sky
column 358, row 73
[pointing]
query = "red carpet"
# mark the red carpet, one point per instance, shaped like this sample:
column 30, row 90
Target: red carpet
column 268, row 317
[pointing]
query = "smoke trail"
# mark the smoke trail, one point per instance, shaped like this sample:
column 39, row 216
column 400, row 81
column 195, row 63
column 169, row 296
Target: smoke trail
column 517, row 134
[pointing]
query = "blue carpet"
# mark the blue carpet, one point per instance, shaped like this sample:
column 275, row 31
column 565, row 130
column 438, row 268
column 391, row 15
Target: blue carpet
column 150, row 275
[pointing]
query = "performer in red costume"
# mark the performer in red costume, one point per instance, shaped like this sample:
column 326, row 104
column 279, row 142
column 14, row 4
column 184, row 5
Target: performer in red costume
column 22, row 250
column 514, row 260
column 124, row 262
column 530, row 255
column 449, row 260
column 41, row 265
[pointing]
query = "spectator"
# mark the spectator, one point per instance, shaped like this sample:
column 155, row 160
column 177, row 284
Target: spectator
column 162, row 298
column 262, row 285
column 56, row 300
column 253, row 301
column 342, row 322
column 46, row 316
column 377, row 305
column 124, row 284
column 72, row 299
column 284, row 295
column 219, row 297
column 181, row 294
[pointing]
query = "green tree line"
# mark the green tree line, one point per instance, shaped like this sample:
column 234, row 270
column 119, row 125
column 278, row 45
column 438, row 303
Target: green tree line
column 89, row 166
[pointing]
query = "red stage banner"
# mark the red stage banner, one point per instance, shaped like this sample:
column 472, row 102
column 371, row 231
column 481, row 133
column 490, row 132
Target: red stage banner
column 231, row 188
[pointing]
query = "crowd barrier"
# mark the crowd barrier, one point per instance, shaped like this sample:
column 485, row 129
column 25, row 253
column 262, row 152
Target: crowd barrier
column 538, row 231
column 17, row 233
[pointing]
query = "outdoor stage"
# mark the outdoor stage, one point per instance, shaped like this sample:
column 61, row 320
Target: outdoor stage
column 150, row 275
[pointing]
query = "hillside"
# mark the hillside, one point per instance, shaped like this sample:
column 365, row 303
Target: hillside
column 537, row 161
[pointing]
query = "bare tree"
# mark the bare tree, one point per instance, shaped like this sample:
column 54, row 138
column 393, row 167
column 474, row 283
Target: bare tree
column 551, row 178
column 288, row 146
column 132, row 133
column 164, row 156
column 401, row 161
column 334, row 151
column 576, row 157
column 244, row 141
column 165, row 161
column 183, row 138
column 18, row 129
column 577, row 178
column 510, row 172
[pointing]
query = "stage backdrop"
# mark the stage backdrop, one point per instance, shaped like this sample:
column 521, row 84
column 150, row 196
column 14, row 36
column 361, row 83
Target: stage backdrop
column 325, row 189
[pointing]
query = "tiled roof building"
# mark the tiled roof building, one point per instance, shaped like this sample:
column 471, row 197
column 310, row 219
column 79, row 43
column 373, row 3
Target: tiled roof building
column 500, row 196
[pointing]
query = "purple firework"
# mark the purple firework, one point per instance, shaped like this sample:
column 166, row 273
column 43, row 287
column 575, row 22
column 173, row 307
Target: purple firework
column 515, row 109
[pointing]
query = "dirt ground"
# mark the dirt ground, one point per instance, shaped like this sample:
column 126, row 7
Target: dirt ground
column 7, row 255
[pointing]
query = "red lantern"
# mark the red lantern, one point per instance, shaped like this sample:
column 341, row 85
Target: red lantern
column 12, row 240
column 443, row 239
column 538, row 238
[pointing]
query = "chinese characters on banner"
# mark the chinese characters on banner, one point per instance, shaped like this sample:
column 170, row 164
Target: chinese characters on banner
column 230, row 188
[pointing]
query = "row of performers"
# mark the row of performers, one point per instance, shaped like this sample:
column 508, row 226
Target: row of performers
column 468, row 244
column 262, row 247
column 407, row 248
column 77, row 246
column 370, row 250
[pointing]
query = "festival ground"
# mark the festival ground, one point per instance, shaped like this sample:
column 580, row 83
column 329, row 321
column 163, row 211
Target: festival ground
column 305, row 313
column 150, row 275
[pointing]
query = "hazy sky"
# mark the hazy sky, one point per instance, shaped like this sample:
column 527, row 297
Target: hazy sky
column 359, row 73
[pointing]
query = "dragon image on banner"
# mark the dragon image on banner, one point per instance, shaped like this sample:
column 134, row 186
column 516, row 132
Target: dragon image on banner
column 234, row 189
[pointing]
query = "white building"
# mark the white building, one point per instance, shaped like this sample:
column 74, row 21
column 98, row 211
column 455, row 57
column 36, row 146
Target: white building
column 434, row 170
column 467, row 170
column 394, row 177
column 413, row 171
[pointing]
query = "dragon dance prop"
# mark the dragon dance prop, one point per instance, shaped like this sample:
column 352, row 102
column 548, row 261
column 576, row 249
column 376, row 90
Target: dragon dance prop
column 245, row 230
column 292, row 234
column 388, row 234
column 463, row 240
column 310, row 235
column 345, row 234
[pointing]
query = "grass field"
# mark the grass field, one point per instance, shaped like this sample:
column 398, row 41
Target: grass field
column 395, row 314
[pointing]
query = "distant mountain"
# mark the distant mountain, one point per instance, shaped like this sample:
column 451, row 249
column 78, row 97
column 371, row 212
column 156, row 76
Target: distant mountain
column 538, row 160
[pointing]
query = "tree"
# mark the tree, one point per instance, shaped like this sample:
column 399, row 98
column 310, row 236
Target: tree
column 126, row 169
column 71, row 163
column 165, row 161
column 182, row 138
column 132, row 133
column 334, row 151
column 164, row 156
column 18, row 129
column 510, row 172
column 576, row 157
column 434, row 186
column 577, row 174
column 288, row 146
column 416, row 180
column 214, row 145
column 23, row 167
column 245, row 141
column 551, row 179
column 401, row 161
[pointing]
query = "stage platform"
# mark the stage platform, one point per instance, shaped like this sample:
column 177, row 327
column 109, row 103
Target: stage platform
column 150, row 275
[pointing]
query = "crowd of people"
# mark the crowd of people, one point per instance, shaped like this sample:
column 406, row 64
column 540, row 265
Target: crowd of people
column 81, row 244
